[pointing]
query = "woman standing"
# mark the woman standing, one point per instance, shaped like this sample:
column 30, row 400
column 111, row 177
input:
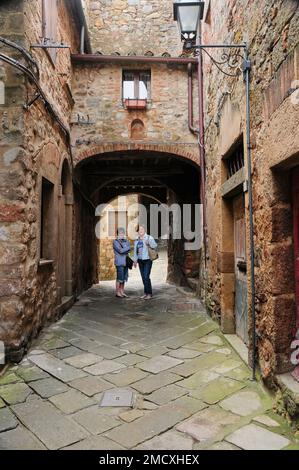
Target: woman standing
column 121, row 247
column 142, row 258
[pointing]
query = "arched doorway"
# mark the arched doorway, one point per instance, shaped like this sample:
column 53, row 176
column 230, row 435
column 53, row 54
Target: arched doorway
column 167, row 177
column 65, row 218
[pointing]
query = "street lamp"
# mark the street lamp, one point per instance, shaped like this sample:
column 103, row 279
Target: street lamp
column 188, row 14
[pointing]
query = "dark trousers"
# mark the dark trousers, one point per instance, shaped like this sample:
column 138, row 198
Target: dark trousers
column 145, row 267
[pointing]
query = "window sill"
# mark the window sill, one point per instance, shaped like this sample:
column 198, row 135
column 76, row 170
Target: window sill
column 135, row 104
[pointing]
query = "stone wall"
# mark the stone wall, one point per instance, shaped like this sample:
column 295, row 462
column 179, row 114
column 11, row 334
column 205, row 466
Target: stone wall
column 133, row 27
column 33, row 146
column 271, row 30
column 97, row 92
column 13, row 227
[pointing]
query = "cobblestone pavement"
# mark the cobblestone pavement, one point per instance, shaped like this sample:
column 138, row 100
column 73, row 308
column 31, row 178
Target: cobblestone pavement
column 191, row 390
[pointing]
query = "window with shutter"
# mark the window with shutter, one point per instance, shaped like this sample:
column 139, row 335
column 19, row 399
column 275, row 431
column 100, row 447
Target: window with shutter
column 50, row 15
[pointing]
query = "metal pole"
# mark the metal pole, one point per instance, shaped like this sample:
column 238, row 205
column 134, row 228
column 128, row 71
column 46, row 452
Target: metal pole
column 251, row 220
column 202, row 150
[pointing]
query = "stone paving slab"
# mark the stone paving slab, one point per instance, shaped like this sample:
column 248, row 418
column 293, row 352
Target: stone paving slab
column 217, row 390
column 243, row 403
column 200, row 347
column 202, row 362
column 198, row 380
column 223, row 446
column 46, row 388
column 91, row 385
column 104, row 367
column 207, row 424
column 181, row 340
column 183, row 353
column 240, row 373
column 132, row 415
column 227, row 367
column 71, row 401
column 130, row 359
column 7, row 420
column 20, row 438
column 166, row 394
column 65, row 353
column 57, row 368
column 125, row 377
column 83, row 360
column 212, row 339
column 95, row 443
column 9, row 378
column 2, row 404
column 153, row 351
column 156, row 422
column 55, row 343
column 50, row 426
column 15, row 393
column 267, row 421
column 253, row 437
column 152, row 383
column 95, row 421
column 171, row 440
column 31, row 374
column 159, row 364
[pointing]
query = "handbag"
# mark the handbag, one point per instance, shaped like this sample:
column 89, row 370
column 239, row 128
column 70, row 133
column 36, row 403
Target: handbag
column 129, row 262
column 153, row 254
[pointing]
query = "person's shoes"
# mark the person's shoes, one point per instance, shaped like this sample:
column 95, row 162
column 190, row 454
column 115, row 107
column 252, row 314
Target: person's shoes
column 143, row 297
column 119, row 296
column 148, row 297
column 125, row 296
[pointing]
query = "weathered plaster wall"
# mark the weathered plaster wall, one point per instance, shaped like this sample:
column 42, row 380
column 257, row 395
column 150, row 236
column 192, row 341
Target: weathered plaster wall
column 271, row 30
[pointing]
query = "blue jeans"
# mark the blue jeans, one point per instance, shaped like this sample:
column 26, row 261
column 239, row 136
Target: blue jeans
column 122, row 274
column 145, row 267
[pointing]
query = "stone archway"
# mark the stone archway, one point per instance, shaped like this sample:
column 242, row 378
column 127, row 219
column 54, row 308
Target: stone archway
column 170, row 174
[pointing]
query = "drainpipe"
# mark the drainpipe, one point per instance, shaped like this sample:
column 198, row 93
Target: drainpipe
column 82, row 40
column 202, row 153
column 247, row 69
column 192, row 129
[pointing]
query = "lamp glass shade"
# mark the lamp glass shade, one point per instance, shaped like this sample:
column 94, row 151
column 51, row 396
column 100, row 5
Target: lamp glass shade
column 188, row 17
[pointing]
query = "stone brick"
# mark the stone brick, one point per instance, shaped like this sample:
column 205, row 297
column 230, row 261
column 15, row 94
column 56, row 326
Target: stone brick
column 48, row 424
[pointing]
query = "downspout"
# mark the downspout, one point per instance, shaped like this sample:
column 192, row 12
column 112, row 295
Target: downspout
column 82, row 40
column 202, row 153
column 201, row 138
column 192, row 129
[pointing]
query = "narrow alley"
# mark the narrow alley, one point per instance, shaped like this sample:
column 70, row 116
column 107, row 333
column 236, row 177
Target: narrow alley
column 131, row 130
column 190, row 389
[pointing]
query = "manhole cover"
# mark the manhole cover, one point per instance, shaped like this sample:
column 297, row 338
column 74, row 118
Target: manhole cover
column 118, row 398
